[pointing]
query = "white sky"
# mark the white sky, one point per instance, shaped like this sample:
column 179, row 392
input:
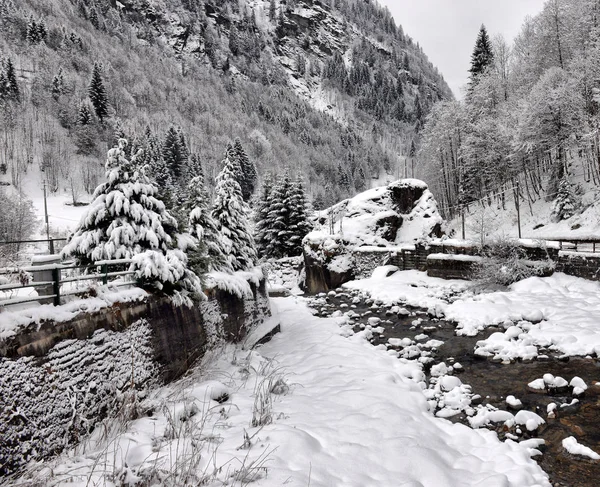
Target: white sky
column 447, row 29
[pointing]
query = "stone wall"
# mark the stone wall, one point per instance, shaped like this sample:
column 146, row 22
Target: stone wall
column 449, row 266
column 579, row 264
column 57, row 382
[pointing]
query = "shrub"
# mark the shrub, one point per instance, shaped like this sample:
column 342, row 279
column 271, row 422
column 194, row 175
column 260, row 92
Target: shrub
column 505, row 262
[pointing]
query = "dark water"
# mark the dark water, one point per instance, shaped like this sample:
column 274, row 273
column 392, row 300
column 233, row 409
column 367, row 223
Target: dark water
column 494, row 381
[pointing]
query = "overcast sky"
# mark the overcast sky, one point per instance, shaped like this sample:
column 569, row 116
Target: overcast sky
column 447, row 29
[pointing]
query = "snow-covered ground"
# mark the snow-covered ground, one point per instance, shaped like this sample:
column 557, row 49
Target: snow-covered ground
column 536, row 223
column 312, row 407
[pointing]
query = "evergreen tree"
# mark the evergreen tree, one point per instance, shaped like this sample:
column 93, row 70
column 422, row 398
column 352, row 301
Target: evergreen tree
column 299, row 225
column 209, row 254
column 483, row 56
column 11, row 88
column 272, row 10
column 58, row 84
column 126, row 220
column 565, row 204
column 248, row 175
column 32, row 33
column 231, row 216
column 175, row 153
column 262, row 230
column 278, row 219
column 84, row 115
column 97, row 93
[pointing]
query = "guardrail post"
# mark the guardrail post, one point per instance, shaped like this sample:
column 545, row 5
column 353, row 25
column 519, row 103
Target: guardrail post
column 104, row 270
column 56, row 285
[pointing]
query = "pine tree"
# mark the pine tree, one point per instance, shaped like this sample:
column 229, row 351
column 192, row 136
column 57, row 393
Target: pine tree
column 262, row 235
column 299, row 225
column 209, row 254
column 483, row 56
column 11, row 90
column 32, row 34
column 126, row 220
column 279, row 233
column 175, row 153
column 97, row 93
column 231, row 216
column 84, row 115
column 565, row 204
column 248, row 175
column 58, row 84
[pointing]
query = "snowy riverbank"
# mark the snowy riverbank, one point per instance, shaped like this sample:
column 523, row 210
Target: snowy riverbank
column 340, row 412
column 558, row 312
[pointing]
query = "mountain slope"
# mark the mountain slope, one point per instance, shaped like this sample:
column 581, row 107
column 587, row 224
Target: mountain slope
column 334, row 93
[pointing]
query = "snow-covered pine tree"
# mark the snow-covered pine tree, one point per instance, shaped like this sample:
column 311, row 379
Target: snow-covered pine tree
column 231, row 216
column 565, row 204
column 483, row 55
column 126, row 220
column 209, row 254
column 279, row 218
column 248, row 176
column 299, row 224
column 84, row 116
column 11, row 90
column 175, row 153
column 58, row 84
column 97, row 93
column 261, row 216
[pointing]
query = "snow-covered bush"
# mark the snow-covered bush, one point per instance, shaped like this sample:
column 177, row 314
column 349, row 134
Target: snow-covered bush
column 504, row 263
column 126, row 220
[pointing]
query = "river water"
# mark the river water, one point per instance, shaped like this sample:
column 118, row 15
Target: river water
column 493, row 381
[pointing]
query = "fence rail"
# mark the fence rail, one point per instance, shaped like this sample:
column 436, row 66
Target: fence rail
column 52, row 289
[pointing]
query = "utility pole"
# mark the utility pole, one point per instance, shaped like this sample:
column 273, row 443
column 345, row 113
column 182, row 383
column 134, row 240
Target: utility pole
column 462, row 217
column 518, row 206
column 50, row 243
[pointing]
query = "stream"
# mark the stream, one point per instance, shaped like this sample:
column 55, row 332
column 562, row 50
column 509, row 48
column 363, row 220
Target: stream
column 490, row 382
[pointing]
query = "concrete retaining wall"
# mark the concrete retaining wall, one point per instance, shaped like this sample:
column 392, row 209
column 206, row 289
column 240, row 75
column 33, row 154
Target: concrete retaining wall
column 57, row 382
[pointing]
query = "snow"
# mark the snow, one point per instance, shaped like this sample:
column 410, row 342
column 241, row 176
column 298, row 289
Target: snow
column 341, row 412
column 513, row 401
column 573, row 447
column 464, row 258
column 528, row 418
column 14, row 320
column 356, row 219
column 559, row 312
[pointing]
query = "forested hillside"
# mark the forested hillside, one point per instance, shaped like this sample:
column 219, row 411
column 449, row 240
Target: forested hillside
column 333, row 90
column 530, row 118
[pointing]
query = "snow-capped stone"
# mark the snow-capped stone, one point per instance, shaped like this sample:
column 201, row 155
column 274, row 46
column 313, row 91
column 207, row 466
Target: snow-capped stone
column 575, row 448
column 529, row 419
column 513, row 402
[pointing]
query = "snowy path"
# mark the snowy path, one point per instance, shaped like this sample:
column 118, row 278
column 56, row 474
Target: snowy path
column 357, row 422
column 350, row 418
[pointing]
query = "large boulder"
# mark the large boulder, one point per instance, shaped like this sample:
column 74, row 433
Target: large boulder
column 402, row 212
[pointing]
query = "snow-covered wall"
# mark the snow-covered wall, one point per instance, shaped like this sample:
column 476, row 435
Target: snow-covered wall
column 57, row 380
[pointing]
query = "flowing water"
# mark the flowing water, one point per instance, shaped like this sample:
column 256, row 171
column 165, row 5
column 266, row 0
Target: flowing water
column 495, row 381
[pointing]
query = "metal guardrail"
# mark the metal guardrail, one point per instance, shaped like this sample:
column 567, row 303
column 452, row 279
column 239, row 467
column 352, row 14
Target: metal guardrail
column 104, row 275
